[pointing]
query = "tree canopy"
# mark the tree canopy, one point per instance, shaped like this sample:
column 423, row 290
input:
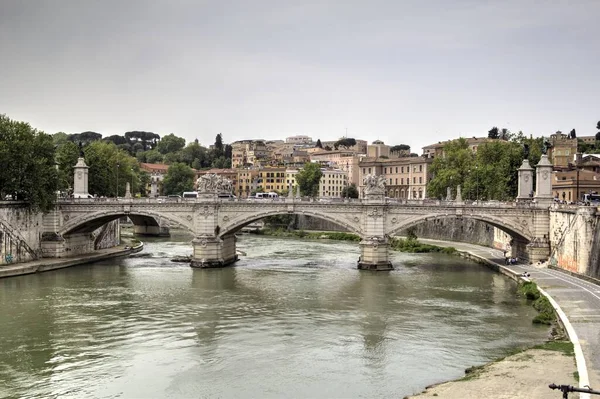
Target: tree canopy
column 179, row 178
column 489, row 174
column 350, row 191
column 27, row 170
column 308, row 179
column 345, row 142
column 170, row 144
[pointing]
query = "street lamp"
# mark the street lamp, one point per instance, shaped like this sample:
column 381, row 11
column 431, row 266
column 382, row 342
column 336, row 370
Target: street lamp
column 117, row 188
column 131, row 188
column 477, row 184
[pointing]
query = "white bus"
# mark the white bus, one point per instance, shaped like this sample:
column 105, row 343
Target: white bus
column 190, row 194
column 269, row 195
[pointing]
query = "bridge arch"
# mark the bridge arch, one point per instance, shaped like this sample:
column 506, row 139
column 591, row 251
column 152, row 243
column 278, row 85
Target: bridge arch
column 90, row 222
column 508, row 226
column 231, row 226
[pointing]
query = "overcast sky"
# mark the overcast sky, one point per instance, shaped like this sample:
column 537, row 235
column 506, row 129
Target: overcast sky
column 405, row 72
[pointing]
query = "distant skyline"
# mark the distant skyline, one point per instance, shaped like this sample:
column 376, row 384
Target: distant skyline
column 404, row 72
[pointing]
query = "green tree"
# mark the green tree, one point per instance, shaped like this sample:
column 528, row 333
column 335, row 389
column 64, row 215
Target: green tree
column 350, row 191
column 170, row 143
column 27, row 169
column 85, row 138
column 221, row 163
column 195, row 154
column 494, row 133
column 66, row 158
column 451, row 169
column 308, row 179
column 109, row 166
column 400, row 147
column 319, row 145
column 219, row 150
column 60, row 139
column 179, row 178
column 345, row 142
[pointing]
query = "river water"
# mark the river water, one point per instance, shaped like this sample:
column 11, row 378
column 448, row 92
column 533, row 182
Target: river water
column 292, row 319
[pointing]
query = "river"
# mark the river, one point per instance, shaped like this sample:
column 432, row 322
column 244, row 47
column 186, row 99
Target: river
column 293, row 318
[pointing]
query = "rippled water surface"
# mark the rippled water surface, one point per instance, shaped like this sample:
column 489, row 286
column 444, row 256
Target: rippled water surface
column 292, row 319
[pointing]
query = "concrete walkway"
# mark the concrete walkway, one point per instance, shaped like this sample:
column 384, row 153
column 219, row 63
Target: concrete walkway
column 45, row 264
column 576, row 297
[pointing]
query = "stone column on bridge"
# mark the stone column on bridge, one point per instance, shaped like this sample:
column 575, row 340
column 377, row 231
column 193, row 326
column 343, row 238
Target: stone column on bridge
column 374, row 245
column 525, row 188
column 543, row 183
column 80, row 178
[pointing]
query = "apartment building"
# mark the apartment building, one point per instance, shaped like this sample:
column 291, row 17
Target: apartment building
column 271, row 179
column 332, row 183
column 345, row 160
column 406, row 178
column 248, row 153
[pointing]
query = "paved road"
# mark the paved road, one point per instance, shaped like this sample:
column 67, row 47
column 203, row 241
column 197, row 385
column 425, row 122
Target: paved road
column 578, row 298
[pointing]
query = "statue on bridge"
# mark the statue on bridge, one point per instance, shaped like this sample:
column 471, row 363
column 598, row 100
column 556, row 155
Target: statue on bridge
column 374, row 184
column 213, row 183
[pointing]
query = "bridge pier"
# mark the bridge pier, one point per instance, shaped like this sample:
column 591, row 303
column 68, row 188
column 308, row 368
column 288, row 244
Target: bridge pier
column 55, row 246
column 212, row 251
column 374, row 254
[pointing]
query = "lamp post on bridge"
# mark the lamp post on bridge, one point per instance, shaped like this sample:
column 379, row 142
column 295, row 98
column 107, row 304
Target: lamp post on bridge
column 117, row 188
column 131, row 189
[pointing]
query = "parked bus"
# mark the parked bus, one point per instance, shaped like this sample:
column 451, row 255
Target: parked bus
column 190, row 194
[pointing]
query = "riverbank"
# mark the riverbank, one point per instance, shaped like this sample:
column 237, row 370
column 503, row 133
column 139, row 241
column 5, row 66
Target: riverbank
column 523, row 375
column 47, row 264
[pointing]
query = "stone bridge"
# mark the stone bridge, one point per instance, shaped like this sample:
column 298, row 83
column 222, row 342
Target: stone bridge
column 214, row 222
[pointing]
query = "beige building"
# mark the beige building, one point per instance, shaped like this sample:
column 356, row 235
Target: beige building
column 570, row 185
column 406, row 178
column 300, row 139
column 246, row 182
column 563, row 150
column 378, row 149
column 248, row 153
column 344, row 160
column 332, row 183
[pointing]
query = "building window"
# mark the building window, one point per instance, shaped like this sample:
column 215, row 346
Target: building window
column 396, row 169
column 396, row 181
column 414, row 180
column 420, row 168
column 402, row 171
column 420, row 180
column 369, row 170
column 390, row 181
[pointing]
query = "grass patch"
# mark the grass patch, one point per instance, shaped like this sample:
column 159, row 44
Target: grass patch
column 565, row 347
column 576, row 376
column 329, row 235
column 546, row 313
column 412, row 245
